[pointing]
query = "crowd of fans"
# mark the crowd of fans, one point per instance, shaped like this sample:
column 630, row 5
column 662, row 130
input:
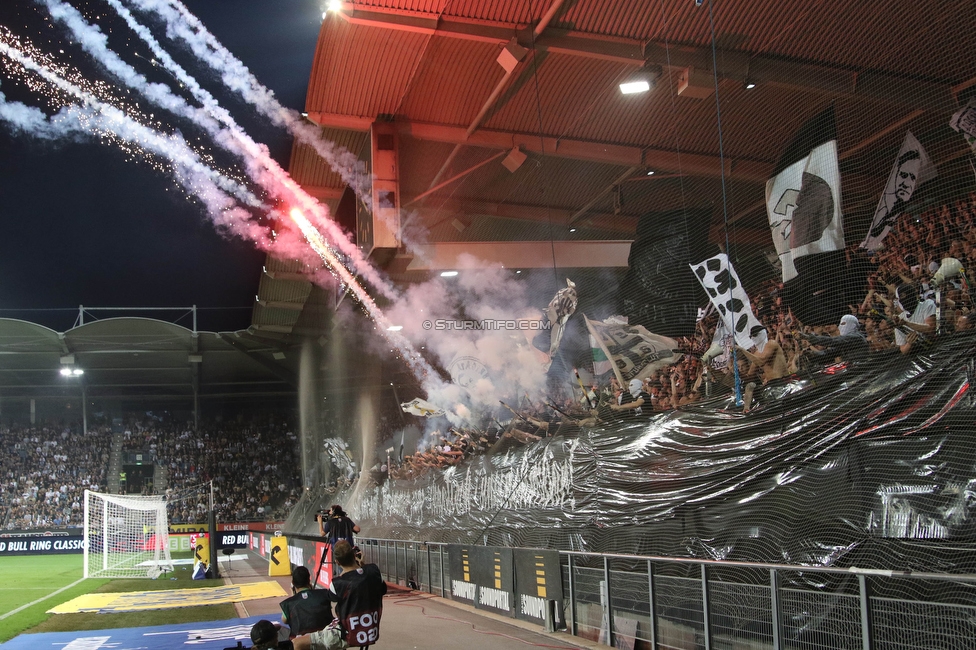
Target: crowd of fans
column 910, row 255
column 45, row 471
column 254, row 467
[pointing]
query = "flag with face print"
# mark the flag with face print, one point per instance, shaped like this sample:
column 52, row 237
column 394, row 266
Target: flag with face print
column 912, row 167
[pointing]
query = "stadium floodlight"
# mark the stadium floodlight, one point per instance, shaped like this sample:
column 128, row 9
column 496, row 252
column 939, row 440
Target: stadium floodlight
column 125, row 536
column 635, row 87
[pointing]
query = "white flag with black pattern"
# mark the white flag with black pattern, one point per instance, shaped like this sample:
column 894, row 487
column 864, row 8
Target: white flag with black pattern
column 722, row 285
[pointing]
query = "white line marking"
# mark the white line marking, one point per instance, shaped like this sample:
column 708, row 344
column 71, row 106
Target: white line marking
column 41, row 599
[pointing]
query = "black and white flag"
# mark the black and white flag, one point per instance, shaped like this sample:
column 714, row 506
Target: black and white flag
column 804, row 208
column 722, row 285
column 964, row 121
column 912, row 168
column 634, row 352
column 422, row 407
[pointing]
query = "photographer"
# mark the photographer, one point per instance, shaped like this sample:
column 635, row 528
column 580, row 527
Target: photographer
column 308, row 610
column 358, row 592
column 336, row 525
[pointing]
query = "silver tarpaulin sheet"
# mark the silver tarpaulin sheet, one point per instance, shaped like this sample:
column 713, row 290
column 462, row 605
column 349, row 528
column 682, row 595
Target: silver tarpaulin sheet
column 866, row 465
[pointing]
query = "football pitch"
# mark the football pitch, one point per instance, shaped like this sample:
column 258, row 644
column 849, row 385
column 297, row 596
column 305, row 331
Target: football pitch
column 31, row 585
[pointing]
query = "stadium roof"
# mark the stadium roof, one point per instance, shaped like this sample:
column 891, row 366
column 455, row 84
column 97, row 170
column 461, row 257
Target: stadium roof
column 463, row 83
column 138, row 358
column 438, row 71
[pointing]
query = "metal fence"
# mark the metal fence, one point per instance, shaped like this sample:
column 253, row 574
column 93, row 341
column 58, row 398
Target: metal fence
column 706, row 604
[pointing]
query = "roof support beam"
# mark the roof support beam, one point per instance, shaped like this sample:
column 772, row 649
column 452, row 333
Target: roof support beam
column 323, row 193
column 600, row 152
column 621, row 223
column 523, row 254
column 593, row 151
column 457, row 176
column 732, row 65
column 599, row 196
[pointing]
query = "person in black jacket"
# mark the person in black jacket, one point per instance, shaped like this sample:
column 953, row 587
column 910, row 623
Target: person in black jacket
column 266, row 635
column 337, row 526
column 308, row 610
column 358, row 592
column 850, row 344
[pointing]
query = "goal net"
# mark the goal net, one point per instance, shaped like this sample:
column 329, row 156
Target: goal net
column 125, row 536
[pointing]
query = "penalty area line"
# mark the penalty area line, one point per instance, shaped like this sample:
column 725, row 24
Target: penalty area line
column 41, row 599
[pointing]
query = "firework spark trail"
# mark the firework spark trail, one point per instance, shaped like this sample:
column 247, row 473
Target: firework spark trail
column 200, row 180
column 261, row 165
column 163, row 58
column 418, row 364
column 217, row 192
column 182, row 24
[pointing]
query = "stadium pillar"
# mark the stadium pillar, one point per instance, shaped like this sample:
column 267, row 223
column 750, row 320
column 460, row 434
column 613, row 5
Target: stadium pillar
column 84, row 409
column 196, row 396
column 212, row 530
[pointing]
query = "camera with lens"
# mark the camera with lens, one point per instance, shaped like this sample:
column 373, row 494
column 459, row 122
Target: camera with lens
column 325, row 513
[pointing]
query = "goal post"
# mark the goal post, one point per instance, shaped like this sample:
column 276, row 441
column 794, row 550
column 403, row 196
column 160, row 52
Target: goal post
column 125, row 536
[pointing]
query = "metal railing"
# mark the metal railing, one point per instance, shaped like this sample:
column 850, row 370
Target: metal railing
column 711, row 604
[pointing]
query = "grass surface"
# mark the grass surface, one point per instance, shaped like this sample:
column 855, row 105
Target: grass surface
column 24, row 579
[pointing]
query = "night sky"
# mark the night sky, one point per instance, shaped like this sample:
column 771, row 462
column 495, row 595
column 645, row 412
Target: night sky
column 83, row 223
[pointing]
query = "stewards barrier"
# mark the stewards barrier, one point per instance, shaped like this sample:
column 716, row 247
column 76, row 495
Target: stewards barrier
column 700, row 603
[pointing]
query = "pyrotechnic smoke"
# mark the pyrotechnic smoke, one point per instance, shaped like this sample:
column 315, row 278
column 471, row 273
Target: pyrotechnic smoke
column 183, row 25
column 101, row 120
column 511, row 365
column 262, row 169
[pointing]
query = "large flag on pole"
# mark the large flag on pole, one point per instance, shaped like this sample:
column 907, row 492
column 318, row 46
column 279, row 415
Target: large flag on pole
column 803, row 202
column 912, row 168
column 601, row 362
column 634, row 352
column 722, row 285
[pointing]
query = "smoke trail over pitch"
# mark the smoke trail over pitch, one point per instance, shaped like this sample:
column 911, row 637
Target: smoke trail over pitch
column 511, row 364
column 220, row 127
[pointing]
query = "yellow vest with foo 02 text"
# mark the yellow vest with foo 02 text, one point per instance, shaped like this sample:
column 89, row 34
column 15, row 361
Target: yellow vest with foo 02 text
column 279, row 564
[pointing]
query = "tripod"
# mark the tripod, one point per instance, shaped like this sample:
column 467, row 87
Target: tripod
column 322, row 561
